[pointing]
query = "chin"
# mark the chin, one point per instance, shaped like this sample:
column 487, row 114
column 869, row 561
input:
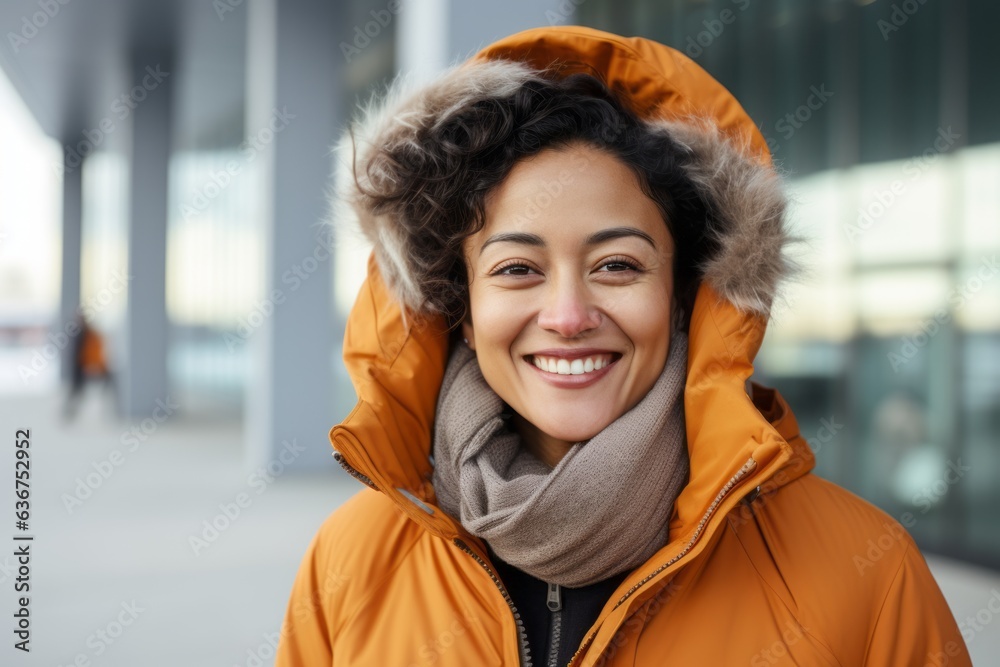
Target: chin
column 573, row 428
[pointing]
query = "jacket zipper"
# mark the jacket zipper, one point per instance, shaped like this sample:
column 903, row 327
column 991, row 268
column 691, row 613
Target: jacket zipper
column 747, row 467
column 554, row 603
column 352, row 470
column 555, row 597
column 524, row 650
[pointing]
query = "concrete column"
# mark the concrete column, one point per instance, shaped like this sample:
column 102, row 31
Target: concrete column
column 69, row 295
column 293, row 82
column 144, row 369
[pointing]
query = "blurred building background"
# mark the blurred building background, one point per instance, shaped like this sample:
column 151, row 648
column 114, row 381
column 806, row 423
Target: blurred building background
column 164, row 168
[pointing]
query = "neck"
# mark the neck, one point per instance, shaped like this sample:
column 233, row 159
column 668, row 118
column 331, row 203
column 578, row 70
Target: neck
column 541, row 445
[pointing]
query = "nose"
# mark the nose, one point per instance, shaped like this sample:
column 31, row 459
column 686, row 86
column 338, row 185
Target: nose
column 569, row 308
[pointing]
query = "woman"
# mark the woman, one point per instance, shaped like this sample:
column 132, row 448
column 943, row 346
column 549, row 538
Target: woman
column 567, row 461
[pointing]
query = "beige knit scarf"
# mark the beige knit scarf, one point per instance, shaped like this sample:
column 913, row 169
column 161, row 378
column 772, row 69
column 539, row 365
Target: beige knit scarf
column 602, row 510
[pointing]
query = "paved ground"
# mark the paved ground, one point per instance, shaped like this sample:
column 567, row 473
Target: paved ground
column 128, row 544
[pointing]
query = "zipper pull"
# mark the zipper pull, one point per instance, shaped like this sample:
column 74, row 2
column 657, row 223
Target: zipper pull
column 555, row 597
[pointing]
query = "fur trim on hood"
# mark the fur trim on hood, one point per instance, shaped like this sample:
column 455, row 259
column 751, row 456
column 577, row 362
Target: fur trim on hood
column 745, row 193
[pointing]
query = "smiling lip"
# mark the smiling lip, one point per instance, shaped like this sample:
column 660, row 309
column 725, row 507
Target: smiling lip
column 572, row 381
column 575, row 353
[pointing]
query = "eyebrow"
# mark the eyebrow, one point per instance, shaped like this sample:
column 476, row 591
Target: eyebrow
column 596, row 238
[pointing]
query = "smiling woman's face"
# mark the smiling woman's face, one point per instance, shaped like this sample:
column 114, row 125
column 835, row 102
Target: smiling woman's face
column 573, row 272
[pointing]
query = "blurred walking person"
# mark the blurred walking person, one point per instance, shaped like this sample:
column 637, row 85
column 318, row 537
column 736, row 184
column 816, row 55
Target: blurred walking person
column 89, row 364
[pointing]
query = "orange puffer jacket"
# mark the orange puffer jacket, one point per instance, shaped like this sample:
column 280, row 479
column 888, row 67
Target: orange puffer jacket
column 766, row 564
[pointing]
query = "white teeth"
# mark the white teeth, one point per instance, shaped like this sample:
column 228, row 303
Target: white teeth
column 574, row 367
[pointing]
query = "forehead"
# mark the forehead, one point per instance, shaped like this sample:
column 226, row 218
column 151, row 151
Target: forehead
column 568, row 195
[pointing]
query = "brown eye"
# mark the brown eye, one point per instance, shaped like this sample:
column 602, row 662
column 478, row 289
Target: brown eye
column 512, row 269
column 620, row 265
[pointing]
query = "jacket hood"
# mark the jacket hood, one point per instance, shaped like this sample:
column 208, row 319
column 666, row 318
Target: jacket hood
column 728, row 159
column 736, row 442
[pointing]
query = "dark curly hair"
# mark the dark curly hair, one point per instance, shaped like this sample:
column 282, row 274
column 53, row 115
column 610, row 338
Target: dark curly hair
column 442, row 179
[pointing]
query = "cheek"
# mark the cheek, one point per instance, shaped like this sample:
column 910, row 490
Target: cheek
column 644, row 317
column 643, row 310
column 498, row 319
